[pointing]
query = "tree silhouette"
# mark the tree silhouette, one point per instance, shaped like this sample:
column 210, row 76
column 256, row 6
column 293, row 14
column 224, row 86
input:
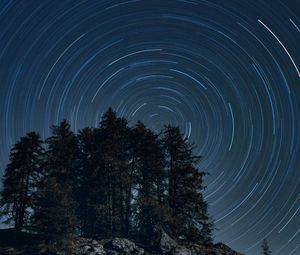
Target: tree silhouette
column 54, row 217
column 150, row 178
column 20, row 179
column 188, row 210
column 109, row 181
column 62, row 155
column 112, row 164
column 54, row 209
column 87, row 182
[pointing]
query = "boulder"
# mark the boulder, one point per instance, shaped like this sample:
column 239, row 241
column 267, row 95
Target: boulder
column 122, row 246
column 169, row 246
column 90, row 247
column 166, row 243
column 222, row 249
column 180, row 250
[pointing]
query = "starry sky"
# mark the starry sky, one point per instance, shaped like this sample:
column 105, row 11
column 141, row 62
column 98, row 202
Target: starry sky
column 226, row 72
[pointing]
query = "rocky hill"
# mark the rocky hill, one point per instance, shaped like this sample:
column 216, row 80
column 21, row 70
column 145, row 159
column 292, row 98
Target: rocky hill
column 27, row 244
column 120, row 246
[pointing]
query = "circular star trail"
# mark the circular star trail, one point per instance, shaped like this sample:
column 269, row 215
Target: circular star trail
column 226, row 72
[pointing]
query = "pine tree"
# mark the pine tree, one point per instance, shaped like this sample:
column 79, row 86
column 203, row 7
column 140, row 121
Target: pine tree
column 20, row 178
column 188, row 209
column 123, row 173
column 62, row 155
column 265, row 247
column 54, row 209
column 54, row 217
column 111, row 152
column 87, row 182
column 150, row 178
column 132, row 183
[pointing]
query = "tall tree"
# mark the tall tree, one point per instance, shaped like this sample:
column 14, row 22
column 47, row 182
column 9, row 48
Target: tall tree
column 188, row 209
column 54, row 216
column 112, row 158
column 20, row 178
column 87, row 182
column 150, row 179
column 265, row 247
column 62, row 155
column 54, row 209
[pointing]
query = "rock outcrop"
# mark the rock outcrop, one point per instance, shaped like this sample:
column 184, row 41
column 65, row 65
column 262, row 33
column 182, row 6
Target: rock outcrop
column 122, row 246
column 165, row 245
column 88, row 246
column 169, row 246
column 116, row 246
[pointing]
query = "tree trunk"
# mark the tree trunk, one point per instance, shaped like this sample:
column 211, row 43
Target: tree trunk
column 128, row 199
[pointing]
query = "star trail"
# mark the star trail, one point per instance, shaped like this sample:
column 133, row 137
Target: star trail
column 225, row 72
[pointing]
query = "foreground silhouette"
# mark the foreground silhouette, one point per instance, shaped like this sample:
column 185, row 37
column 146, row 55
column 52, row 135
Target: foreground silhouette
column 103, row 183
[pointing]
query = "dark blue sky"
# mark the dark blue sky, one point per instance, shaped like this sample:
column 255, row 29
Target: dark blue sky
column 226, row 72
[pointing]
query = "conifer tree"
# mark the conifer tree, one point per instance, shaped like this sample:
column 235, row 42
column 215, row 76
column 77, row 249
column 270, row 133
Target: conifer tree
column 132, row 183
column 265, row 247
column 62, row 155
column 87, row 182
column 54, row 216
column 112, row 173
column 54, row 209
column 20, row 178
column 188, row 210
column 150, row 178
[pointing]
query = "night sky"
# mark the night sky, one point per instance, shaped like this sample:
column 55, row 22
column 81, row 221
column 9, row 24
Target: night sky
column 226, row 72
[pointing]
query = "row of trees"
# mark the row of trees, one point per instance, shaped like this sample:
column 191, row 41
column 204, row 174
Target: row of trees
column 106, row 182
